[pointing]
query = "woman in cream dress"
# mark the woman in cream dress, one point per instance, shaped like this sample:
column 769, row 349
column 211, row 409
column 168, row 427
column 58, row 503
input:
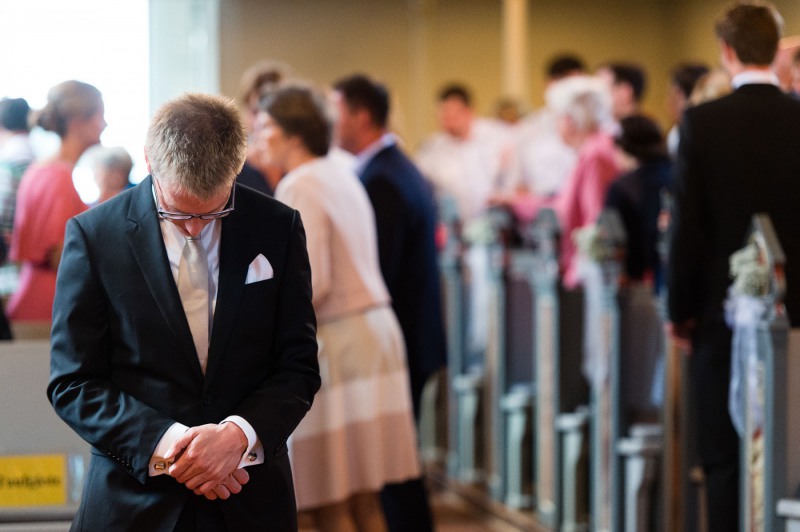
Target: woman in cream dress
column 359, row 433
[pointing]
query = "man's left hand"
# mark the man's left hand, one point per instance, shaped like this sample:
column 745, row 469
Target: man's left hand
column 232, row 485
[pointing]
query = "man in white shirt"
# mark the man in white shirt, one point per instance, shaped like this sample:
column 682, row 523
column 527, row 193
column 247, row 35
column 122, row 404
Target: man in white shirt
column 467, row 160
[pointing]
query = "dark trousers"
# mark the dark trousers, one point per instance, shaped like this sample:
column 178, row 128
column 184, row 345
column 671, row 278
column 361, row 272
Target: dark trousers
column 718, row 442
column 406, row 504
column 200, row 514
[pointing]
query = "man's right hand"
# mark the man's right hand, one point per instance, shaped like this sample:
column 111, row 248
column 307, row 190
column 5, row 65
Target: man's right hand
column 681, row 334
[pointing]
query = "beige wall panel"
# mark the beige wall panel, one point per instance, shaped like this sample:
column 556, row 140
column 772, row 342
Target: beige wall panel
column 613, row 30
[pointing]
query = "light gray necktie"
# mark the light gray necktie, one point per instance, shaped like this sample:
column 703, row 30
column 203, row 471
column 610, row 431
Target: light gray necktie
column 193, row 289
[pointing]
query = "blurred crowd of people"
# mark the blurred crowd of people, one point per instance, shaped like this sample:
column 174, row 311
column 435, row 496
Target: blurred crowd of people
column 369, row 204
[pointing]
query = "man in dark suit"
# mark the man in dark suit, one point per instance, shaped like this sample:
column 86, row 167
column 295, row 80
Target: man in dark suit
column 406, row 221
column 738, row 156
column 183, row 340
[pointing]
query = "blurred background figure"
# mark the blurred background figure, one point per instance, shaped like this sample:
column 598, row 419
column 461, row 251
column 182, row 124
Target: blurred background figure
column 783, row 64
column 541, row 161
column 636, row 195
column 737, row 157
column 711, row 85
column 796, row 73
column 405, row 217
column 47, row 198
column 682, row 81
column 112, row 170
column 256, row 81
column 508, row 110
column 16, row 155
column 582, row 105
column 360, row 430
column 467, row 158
column 627, row 83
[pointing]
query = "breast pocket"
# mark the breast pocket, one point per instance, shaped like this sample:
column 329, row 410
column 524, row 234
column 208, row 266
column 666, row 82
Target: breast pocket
column 258, row 308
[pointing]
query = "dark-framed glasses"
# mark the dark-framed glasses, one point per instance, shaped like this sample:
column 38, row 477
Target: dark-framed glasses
column 229, row 206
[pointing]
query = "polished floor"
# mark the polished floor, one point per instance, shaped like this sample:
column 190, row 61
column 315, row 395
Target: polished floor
column 455, row 514
column 458, row 509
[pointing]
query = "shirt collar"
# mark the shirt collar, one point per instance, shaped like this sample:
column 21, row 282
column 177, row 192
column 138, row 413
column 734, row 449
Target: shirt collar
column 365, row 156
column 750, row 77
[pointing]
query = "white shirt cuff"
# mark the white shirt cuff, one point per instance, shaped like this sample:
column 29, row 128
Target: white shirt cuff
column 254, row 454
column 159, row 466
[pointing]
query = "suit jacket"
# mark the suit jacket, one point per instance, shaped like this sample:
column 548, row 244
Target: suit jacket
column 405, row 216
column 250, row 176
column 124, row 366
column 738, row 156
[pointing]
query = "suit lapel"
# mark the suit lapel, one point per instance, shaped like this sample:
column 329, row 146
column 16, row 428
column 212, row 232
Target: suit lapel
column 233, row 264
column 147, row 245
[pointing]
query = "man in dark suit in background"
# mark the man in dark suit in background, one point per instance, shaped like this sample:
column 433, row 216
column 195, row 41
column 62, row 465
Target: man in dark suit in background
column 406, row 221
column 183, row 340
column 738, row 156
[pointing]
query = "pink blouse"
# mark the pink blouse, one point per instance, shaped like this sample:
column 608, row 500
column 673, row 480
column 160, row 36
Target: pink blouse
column 582, row 197
column 45, row 201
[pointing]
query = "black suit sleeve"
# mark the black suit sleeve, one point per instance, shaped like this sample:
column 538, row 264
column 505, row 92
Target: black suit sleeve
column 81, row 387
column 688, row 241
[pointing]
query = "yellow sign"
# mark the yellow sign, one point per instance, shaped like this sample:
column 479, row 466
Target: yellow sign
column 32, row 480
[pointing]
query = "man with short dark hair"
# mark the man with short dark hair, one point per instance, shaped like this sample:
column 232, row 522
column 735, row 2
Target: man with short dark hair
column 683, row 78
column 406, row 218
column 564, row 65
column 627, row 82
column 467, row 159
column 184, row 340
column 737, row 156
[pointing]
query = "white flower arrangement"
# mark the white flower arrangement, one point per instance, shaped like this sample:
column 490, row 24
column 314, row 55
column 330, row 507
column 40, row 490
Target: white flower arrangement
column 479, row 231
column 749, row 272
column 590, row 244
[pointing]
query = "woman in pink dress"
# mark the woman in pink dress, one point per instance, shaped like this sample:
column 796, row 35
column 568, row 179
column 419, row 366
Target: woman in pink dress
column 583, row 107
column 47, row 198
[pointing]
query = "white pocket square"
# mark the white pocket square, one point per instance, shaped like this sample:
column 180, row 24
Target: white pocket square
column 259, row 270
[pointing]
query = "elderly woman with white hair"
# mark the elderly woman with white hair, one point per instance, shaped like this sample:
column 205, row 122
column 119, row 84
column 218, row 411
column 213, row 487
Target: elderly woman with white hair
column 583, row 107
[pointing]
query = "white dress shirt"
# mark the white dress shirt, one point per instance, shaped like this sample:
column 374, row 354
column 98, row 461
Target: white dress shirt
column 174, row 240
column 468, row 170
column 749, row 77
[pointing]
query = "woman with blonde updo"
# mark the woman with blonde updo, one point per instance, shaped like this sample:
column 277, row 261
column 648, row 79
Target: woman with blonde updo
column 47, row 198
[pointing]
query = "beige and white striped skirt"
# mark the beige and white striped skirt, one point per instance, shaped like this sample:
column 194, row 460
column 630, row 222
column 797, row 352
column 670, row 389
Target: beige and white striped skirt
column 359, row 433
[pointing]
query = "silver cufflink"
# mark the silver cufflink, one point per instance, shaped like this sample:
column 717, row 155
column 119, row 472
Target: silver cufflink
column 159, row 466
column 252, row 456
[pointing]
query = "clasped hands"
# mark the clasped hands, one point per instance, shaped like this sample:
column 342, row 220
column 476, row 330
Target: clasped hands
column 206, row 460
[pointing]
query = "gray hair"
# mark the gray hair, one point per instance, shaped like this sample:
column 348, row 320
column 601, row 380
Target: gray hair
column 197, row 144
column 584, row 99
column 114, row 158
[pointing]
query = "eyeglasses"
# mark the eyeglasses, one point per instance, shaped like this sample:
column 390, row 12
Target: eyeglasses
column 229, row 206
